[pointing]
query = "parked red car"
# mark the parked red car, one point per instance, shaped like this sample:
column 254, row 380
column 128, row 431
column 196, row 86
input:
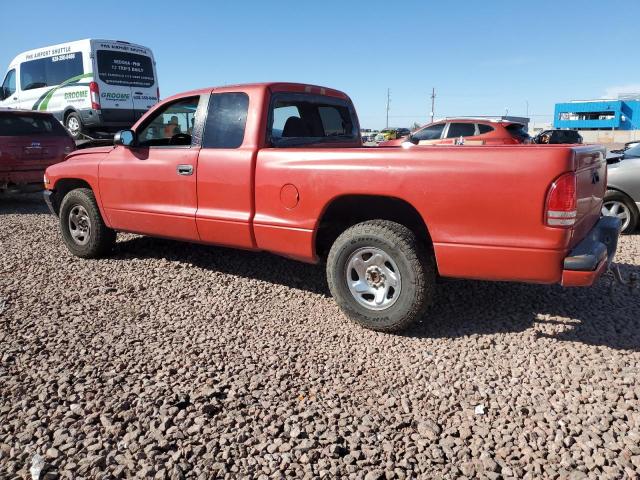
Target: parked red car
column 280, row 167
column 472, row 131
column 29, row 143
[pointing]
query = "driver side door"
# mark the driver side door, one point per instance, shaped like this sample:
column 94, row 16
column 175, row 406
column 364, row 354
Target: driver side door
column 150, row 187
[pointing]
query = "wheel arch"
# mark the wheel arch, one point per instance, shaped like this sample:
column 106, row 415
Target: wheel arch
column 63, row 186
column 347, row 210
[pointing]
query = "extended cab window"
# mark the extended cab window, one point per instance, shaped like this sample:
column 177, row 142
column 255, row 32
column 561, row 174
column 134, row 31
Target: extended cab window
column 226, row 120
column 171, row 126
column 461, row 130
column 432, row 132
column 303, row 119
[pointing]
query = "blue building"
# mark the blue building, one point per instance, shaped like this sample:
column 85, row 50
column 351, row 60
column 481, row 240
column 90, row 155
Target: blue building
column 621, row 114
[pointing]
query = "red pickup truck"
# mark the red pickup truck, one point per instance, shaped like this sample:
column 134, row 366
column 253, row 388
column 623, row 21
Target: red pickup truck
column 280, row 167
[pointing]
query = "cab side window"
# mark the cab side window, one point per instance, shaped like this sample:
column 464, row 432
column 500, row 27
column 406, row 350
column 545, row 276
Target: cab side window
column 226, row 120
column 172, row 126
column 9, row 84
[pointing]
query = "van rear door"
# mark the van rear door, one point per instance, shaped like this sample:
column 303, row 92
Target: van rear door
column 126, row 80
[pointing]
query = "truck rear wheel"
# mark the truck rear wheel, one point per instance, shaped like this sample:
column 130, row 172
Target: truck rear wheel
column 380, row 275
column 83, row 229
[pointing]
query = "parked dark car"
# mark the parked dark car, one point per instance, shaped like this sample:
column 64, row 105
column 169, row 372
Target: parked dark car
column 622, row 199
column 29, row 142
column 558, row 137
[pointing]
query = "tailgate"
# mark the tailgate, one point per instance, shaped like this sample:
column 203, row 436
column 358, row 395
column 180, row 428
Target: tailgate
column 36, row 153
column 591, row 182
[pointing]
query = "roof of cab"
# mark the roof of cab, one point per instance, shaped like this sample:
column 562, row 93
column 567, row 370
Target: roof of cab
column 274, row 86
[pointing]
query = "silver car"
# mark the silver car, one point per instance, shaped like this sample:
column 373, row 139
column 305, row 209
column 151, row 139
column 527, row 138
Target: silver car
column 623, row 193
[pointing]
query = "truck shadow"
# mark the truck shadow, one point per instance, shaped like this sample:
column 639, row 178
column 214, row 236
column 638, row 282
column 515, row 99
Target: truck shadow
column 22, row 204
column 254, row 265
column 599, row 315
column 606, row 314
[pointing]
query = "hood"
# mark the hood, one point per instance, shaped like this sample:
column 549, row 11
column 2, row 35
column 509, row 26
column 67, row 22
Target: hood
column 90, row 151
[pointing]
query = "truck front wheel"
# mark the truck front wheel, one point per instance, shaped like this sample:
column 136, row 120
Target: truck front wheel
column 380, row 275
column 83, row 229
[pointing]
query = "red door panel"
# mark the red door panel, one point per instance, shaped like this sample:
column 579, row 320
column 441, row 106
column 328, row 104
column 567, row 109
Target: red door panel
column 143, row 192
column 225, row 196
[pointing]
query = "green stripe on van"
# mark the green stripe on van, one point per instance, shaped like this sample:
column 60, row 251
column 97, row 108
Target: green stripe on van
column 43, row 102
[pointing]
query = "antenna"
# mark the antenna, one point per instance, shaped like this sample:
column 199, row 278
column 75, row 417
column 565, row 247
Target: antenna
column 388, row 102
column 433, row 102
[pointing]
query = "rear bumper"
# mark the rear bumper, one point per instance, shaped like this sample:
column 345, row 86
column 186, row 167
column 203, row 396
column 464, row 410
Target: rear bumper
column 593, row 255
column 111, row 118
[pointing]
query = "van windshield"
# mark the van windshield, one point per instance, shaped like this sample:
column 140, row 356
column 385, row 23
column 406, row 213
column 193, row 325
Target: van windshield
column 124, row 68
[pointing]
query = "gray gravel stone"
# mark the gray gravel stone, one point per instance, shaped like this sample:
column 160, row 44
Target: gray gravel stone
column 174, row 361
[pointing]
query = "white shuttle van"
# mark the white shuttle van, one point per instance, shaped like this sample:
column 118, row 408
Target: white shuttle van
column 89, row 85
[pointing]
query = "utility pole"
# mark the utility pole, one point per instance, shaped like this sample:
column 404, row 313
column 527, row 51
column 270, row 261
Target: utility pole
column 388, row 102
column 433, row 102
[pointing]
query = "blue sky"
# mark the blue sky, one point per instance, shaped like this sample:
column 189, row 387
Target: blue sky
column 482, row 57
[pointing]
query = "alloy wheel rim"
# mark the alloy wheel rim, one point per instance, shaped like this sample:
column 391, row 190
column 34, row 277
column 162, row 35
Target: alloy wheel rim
column 373, row 278
column 79, row 225
column 73, row 125
column 619, row 210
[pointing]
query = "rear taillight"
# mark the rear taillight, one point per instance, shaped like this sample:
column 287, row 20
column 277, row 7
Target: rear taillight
column 561, row 209
column 94, row 91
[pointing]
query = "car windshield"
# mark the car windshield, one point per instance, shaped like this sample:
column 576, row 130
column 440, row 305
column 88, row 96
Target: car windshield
column 633, row 152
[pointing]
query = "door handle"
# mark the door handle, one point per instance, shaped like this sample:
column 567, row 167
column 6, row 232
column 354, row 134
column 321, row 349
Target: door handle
column 185, row 169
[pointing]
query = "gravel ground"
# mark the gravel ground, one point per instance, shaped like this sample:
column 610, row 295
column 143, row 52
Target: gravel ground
column 175, row 361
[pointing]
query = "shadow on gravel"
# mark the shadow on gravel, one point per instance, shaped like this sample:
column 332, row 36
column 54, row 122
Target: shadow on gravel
column 606, row 314
column 599, row 315
column 22, row 203
column 257, row 265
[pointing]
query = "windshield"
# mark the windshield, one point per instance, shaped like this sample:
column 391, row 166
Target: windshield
column 124, row 68
column 633, row 152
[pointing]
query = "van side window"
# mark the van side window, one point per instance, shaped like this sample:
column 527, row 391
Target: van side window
column 50, row 71
column 9, row 84
column 226, row 120
column 171, row 126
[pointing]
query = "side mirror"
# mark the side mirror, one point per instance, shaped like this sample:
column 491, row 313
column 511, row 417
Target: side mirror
column 126, row 138
column 3, row 91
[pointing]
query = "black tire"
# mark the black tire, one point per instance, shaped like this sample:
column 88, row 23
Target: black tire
column 415, row 264
column 99, row 239
column 616, row 196
column 70, row 122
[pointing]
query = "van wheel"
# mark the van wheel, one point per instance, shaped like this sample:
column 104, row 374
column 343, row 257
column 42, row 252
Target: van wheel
column 83, row 229
column 381, row 275
column 74, row 125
